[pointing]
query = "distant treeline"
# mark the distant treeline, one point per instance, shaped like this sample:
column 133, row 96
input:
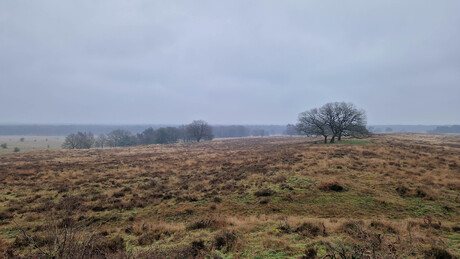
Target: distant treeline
column 64, row 130
column 401, row 128
column 219, row 131
column 193, row 132
column 414, row 128
column 236, row 131
column 446, row 129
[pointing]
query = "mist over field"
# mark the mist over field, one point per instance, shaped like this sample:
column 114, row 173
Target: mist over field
column 232, row 62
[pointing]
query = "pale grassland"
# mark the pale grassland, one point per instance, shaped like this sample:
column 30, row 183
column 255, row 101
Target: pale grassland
column 30, row 143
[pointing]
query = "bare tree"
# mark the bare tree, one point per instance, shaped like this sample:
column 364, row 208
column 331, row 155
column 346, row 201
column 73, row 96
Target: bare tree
column 199, row 130
column 344, row 118
column 81, row 140
column 313, row 122
column 333, row 119
column 101, row 141
column 121, row 138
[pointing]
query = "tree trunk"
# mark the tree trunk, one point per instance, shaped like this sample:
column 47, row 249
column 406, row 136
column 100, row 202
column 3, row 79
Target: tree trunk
column 333, row 139
column 339, row 138
column 325, row 139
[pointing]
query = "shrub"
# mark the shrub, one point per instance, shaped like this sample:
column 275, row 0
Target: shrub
column 437, row 253
column 310, row 253
column 118, row 194
column 225, row 238
column 4, row 145
column 264, row 193
column 16, row 149
column 331, row 186
column 208, row 222
column 115, row 244
column 381, row 226
column 310, row 229
column 456, row 228
column 66, row 239
column 194, row 250
column 148, row 238
column 264, row 201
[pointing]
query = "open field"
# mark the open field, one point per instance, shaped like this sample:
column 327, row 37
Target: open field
column 30, row 143
column 392, row 196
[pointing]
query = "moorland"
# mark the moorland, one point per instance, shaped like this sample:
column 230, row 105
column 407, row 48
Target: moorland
column 387, row 196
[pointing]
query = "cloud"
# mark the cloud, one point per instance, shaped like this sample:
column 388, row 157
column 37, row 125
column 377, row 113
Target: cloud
column 227, row 62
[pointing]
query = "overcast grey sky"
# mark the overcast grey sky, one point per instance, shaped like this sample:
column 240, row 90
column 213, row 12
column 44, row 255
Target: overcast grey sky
column 227, row 62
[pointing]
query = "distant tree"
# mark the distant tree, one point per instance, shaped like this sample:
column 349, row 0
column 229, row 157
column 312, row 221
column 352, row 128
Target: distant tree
column 147, row 137
column 70, row 141
column 258, row 132
column 101, row 141
column 4, row 145
column 16, row 149
column 174, row 134
column 21, row 139
column 81, row 140
column 446, row 129
column 182, row 130
column 231, row 131
column 198, row 130
column 121, row 138
column 291, row 130
column 161, row 136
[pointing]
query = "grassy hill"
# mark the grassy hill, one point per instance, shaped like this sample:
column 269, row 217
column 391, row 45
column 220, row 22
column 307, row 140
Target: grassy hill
column 275, row 197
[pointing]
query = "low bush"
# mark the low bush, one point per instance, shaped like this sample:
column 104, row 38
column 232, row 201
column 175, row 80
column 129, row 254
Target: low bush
column 207, row 222
column 331, row 186
column 437, row 253
column 264, row 193
column 225, row 239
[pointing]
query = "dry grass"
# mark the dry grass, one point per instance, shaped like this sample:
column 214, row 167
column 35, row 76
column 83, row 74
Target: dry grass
column 30, row 143
column 273, row 197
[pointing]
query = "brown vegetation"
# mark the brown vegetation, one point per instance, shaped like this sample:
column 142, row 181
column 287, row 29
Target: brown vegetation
column 396, row 196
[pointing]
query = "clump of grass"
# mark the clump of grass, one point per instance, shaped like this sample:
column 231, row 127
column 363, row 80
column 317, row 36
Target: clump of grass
column 207, row 222
column 311, row 229
column 225, row 239
column 383, row 227
column 418, row 192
